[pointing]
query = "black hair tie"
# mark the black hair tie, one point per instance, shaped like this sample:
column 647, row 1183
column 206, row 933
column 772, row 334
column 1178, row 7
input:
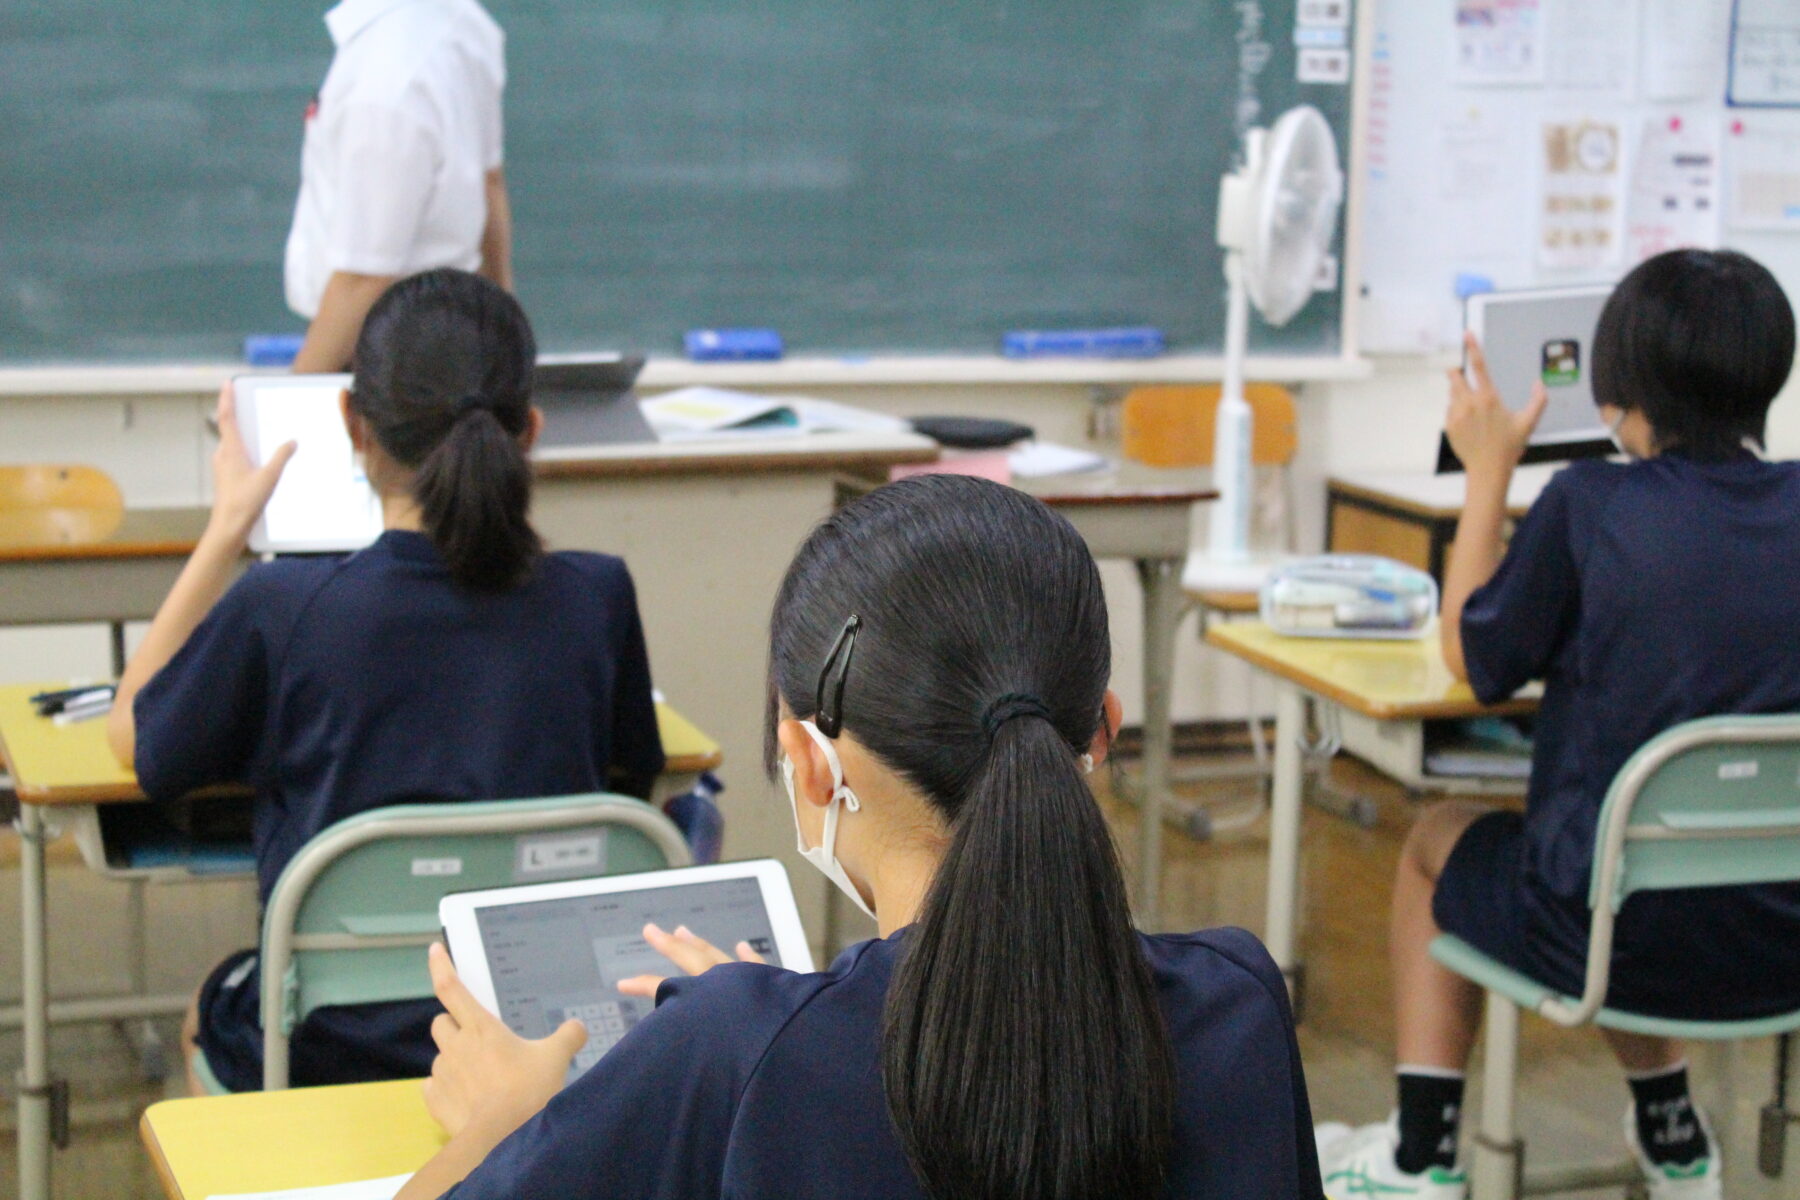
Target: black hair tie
column 1004, row 708
column 472, row 402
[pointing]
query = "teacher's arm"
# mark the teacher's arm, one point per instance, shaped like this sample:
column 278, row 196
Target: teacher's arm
column 331, row 338
column 496, row 235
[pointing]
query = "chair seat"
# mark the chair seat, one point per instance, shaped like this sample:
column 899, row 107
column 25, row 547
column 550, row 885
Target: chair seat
column 1529, row 994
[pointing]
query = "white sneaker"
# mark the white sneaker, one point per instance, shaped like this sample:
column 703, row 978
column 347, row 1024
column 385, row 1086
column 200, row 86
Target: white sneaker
column 1698, row 1180
column 1360, row 1163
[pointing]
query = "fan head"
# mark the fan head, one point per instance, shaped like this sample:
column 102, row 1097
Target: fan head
column 1293, row 210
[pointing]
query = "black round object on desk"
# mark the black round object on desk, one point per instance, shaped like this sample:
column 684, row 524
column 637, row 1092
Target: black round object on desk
column 971, row 433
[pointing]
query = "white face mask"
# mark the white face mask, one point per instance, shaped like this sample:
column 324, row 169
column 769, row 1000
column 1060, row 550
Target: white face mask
column 1612, row 431
column 824, row 856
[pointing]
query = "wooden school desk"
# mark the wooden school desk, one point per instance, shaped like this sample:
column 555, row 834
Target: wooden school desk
column 70, row 769
column 121, row 576
column 1411, row 517
column 1398, row 683
column 302, row 1137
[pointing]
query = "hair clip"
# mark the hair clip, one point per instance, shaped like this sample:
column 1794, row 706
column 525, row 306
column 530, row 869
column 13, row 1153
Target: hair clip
column 829, row 717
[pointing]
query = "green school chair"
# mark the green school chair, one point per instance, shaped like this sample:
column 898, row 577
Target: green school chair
column 1708, row 803
column 350, row 916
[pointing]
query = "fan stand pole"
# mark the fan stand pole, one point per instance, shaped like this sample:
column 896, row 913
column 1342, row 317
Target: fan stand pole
column 1228, row 541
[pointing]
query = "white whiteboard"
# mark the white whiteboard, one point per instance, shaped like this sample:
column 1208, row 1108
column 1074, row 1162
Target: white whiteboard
column 1463, row 135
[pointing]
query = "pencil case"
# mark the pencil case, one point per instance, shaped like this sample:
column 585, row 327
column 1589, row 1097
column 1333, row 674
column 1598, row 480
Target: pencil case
column 1349, row 596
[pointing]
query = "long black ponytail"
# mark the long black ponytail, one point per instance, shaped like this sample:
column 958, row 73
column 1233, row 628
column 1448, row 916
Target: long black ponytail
column 443, row 376
column 1023, row 1053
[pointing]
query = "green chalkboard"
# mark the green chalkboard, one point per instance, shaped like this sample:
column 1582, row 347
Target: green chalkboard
column 885, row 177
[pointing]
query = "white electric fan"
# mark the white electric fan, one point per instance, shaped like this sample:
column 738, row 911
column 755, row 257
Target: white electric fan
column 1277, row 216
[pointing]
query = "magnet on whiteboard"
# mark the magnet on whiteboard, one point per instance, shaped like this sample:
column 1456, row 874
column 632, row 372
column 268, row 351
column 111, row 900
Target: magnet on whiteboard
column 1321, row 65
column 1322, row 12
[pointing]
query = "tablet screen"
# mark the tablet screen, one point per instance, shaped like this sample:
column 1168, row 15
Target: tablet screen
column 553, row 960
column 324, row 501
column 1544, row 336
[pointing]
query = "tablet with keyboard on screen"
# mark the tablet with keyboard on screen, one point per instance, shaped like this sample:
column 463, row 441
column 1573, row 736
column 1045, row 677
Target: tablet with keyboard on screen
column 541, row 954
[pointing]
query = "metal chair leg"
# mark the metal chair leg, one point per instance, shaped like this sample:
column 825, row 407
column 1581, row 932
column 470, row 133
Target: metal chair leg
column 1499, row 1154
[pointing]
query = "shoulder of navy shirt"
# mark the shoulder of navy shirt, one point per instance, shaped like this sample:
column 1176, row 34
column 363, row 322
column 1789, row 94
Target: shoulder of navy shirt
column 1643, row 594
column 334, row 685
column 754, row 1081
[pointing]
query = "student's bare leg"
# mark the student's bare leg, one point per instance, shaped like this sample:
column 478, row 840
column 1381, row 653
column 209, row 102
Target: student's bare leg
column 1437, row 1013
column 1639, row 1054
column 190, row 1047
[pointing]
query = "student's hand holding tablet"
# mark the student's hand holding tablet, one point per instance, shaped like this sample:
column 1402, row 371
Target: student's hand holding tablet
column 486, row 1078
column 1487, row 436
column 687, row 950
column 241, row 489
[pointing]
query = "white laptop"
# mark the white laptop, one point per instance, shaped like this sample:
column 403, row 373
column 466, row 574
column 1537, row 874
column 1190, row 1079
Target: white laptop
column 324, row 502
column 541, row 954
column 1545, row 334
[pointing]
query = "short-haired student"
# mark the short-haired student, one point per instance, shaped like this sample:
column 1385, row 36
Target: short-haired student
column 451, row 660
column 938, row 690
column 1643, row 594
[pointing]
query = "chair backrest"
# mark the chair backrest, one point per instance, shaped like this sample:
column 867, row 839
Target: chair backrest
column 58, row 504
column 1708, row 803
column 1172, row 425
column 350, row 915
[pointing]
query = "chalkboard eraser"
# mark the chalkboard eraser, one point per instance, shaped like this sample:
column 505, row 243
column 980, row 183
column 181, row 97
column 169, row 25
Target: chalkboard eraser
column 1470, row 284
column 1137, row 341
column 272, row 349
column 732, row 345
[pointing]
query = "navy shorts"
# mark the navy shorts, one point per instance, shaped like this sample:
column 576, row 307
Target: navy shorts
column 352, row 1043
column 1703, row 954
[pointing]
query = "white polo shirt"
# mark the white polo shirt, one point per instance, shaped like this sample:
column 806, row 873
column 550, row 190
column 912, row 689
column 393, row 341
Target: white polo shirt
column 398, row 144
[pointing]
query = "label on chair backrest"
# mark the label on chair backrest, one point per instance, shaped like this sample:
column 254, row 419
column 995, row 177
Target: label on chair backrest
column 560, row 855
column 437, row 866
column 1738, row 770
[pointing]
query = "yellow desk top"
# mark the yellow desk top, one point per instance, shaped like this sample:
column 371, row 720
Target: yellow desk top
column 72, row 764
column 1397, row 680
column 303, row 1137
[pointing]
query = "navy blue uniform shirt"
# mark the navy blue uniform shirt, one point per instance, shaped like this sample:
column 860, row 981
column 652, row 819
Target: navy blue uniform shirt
column 336, row 685
column 750, row 1081
column 1644, row 595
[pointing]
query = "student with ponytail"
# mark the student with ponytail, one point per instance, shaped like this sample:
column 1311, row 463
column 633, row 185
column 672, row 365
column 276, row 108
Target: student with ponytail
column 938, row 692
column 451, row 660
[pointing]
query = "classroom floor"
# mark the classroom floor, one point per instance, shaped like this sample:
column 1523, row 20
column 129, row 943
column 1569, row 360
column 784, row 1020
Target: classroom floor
column 1571, row 1095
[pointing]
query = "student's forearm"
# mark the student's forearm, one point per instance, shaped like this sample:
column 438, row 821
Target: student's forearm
column 331, row 338
column 496, row 235
column 1473, row 557
column 460, row 1155
column 208, row 573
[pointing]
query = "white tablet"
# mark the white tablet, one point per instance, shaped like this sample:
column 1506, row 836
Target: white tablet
column 324, row 502
column 1543, row 335
column 541, row 954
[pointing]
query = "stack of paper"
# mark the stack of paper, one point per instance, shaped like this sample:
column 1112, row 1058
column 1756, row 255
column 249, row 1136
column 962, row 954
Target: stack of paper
column 366, row 1189
column 701, row 413
column 1035, row 460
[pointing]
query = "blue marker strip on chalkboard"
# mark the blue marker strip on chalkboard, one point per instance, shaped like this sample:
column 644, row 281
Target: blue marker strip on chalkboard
column 732, row 345
column 272, row 349
column 1141, row 341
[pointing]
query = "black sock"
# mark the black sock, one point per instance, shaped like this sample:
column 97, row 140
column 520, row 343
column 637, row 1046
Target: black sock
column 1430, row 1112
column 1667, row 1128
